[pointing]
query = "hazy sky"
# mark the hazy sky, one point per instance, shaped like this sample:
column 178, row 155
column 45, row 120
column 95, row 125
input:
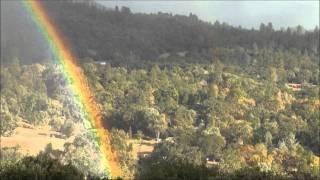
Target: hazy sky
column 245, row 13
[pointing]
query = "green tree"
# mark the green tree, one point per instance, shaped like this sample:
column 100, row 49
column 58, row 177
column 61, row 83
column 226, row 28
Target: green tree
column 238, row 131
column 119, row 141
column 156, row 122
column 211, row 143
column 268, row 139
column 213, row 90
column 184, row 118
column 40, row 167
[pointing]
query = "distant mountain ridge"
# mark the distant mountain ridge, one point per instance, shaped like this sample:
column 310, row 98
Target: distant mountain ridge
column 103, row 34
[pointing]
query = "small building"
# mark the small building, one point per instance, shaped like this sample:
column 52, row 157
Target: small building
column 170, row 139
column 211, row 161
column 203, row 83
column 205, row 72
column 144, row 154
column 164, row 56
column 294, row 86
column 103, row 63
column 182, row 53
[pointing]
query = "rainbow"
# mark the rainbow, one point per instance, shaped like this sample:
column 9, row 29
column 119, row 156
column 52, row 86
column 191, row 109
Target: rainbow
column 81, row 92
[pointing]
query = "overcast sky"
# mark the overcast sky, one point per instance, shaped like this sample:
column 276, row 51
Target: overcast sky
column 245, row 13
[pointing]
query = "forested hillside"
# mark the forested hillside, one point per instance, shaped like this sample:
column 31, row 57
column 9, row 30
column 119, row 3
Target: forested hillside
column 220, row 102
column 121, row 37
column 208, row 116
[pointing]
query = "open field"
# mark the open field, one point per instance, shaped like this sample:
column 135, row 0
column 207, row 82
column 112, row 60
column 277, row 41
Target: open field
column 142, row 148
column 32, row 139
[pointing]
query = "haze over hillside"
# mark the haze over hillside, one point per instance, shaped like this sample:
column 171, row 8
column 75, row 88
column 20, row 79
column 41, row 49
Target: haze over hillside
column 19, row 37
column 248, row 14
column 118, row 35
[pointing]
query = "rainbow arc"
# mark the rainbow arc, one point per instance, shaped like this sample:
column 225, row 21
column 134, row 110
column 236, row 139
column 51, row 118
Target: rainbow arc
column 82, row 94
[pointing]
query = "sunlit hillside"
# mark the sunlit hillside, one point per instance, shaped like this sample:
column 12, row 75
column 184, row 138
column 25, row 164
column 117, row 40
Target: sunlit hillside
column 93, row 92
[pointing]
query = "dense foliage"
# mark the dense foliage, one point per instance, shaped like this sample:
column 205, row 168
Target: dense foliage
column 234, row 115
column 222, row 102
column 40, row 167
